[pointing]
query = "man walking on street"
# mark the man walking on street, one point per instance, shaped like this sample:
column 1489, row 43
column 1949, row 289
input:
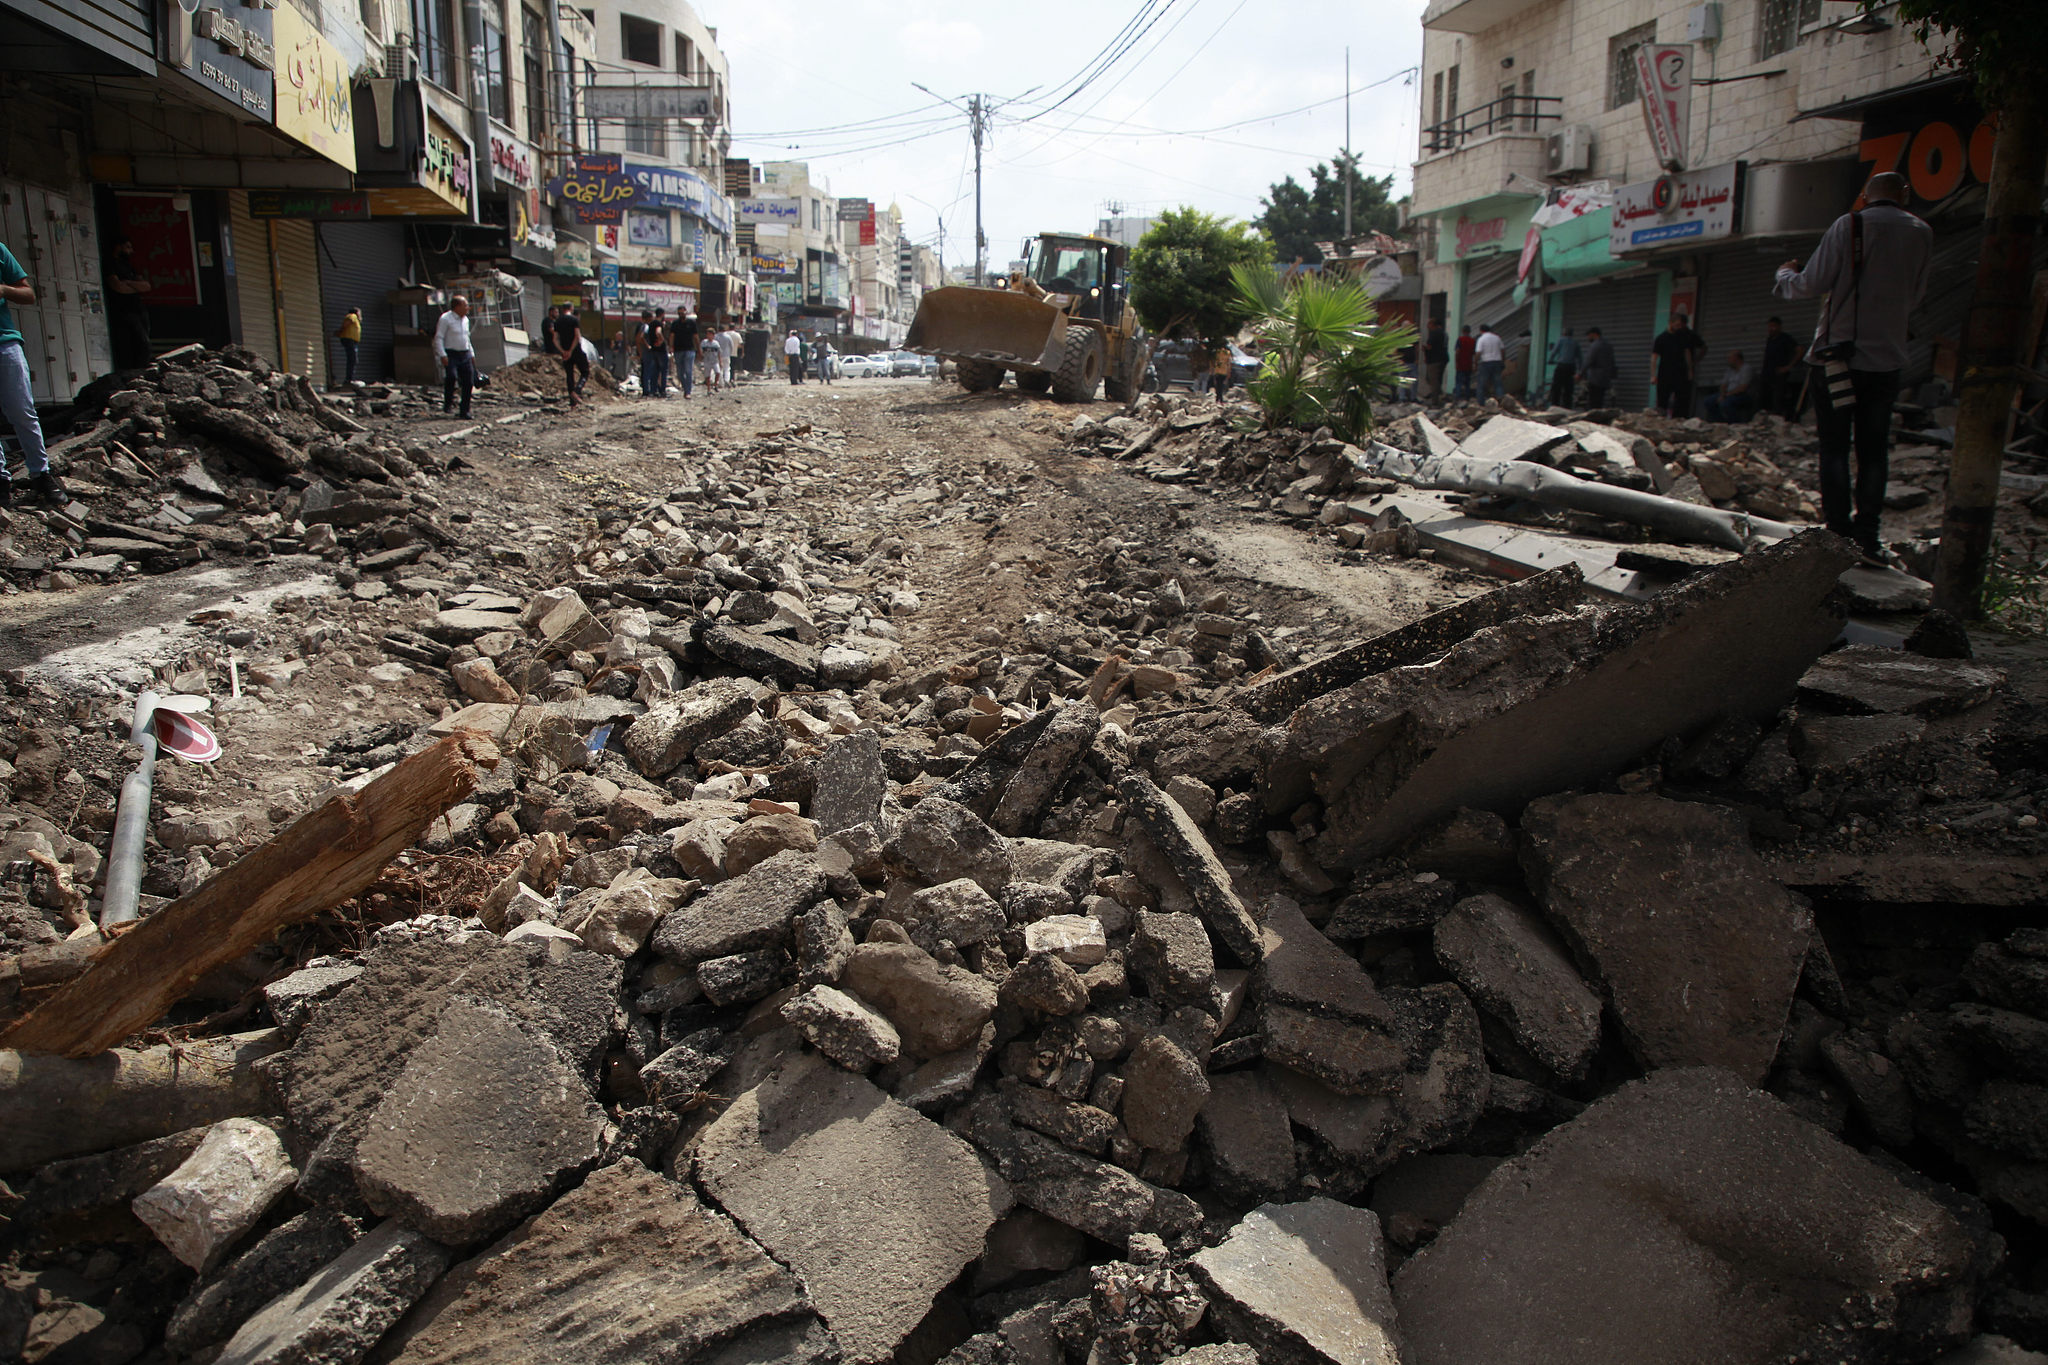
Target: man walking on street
column 451, row 348
column 641, row 361
column 728, row 349
column 682, row 338
column 1465, row 351
column 657, row 350
column 350, row 334
column 1436, row 355
column 1674, row 359
column 1564, row 368
column 17, row 399
column 1599, row 368
column 793, row 352
column 1492, row 356
column 1873, row 266
column 566, row 332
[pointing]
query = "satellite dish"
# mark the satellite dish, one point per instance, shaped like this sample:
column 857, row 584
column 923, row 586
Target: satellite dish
column 1382, row 277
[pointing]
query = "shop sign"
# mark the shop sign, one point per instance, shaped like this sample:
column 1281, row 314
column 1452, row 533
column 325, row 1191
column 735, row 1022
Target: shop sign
column 767, row 263
column 596, row 185
column 573, row 254
column 647, row 103
column 314, row 104
column 856, row 210
column 1478, row 236
column 511, row 160
column 1940, row 146
column 447, row 169
column 327, row 204
column 1664, row 84
column 529, row 233
column 757, row 211
column 1697, row 206
column 647, row 229
column 789, row 291
column 231, row 53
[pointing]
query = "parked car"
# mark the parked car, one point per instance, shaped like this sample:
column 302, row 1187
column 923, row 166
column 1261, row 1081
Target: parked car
column 863, row 367
column 928, row 365
column 903, row 363
column 1175, row 363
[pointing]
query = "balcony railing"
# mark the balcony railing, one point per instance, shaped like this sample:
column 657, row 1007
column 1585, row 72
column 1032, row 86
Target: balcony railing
column 1508, row 114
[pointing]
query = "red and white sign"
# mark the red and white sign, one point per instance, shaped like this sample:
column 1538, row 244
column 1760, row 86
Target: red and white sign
column 511, row 160
column 1531, row 244
column 1664, row 84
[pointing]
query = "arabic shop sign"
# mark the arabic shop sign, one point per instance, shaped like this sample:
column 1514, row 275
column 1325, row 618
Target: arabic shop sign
column 231, row 54
column 511, row 160
column 783, row 211
column 446, row 167
column 1487, row 228
column 597, row 187
column 1691, row 206
column 314, row 106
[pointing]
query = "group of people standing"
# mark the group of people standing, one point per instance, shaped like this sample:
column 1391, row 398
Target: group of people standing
column 682, row 347
column 807, row 358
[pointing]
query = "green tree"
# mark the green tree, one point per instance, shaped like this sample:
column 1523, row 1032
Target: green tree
column 1326, row 356
column 1999, row 41
column 1180, row 273
column 1296, row 218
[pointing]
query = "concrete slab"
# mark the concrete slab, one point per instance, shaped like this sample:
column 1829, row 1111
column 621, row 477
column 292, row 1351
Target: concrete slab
column 876, row 1207
column 628, row 1267
column 338, row 1314
column 1513, row 438
column 1510, row 962
column 1304, row 1283
column 1698, row 949
column 1687, row 1218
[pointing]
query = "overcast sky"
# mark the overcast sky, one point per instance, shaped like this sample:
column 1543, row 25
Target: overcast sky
column 1206, row 107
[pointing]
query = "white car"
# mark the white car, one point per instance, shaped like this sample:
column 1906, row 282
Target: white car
column 863, row 367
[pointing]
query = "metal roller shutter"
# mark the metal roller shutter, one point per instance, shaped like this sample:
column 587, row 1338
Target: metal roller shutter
column 1625, row 311
column 1490, row 299
column 251, row 247
column 359, row 264
column 304, row 341
column 1736, row 301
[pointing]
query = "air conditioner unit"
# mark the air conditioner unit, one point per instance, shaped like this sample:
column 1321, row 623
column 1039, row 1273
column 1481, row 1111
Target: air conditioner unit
column 401, row 63
column 1568, row 149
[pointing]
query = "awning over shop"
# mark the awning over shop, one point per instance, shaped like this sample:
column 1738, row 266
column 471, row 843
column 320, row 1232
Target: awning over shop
column 1575, row 251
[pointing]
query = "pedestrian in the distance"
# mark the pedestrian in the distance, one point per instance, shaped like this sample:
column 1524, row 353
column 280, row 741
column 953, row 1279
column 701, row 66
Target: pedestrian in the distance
column 452, row 349
column 728, row 351
column 682, row 336
column 1219, row 370
column 1436, row 357
column 17, row 397
column 1674, row 362
column 1467, row 349
column 1873, row 266
column 128, row 308
column 1599, row 370
column 1491, row 355
column 1734, row 400
column 793, row 352
column 822, row 353
column 350, row 334
column 567, row 333
column 1565, row 358
column 1775, row 390
column 641, row 360
column 547, row 331
column 657, row 348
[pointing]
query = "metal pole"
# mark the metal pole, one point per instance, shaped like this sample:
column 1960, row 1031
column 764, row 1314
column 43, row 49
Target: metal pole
column 131, row 823
column 1347, row 143
column 974, row 110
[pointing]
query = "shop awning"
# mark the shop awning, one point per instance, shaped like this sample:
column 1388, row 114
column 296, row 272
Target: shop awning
column 1575, row 251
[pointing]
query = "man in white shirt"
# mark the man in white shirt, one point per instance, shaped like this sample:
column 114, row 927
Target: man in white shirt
column 1492, row 357
column 451, row 348
column 793, row 352
column 728, row 350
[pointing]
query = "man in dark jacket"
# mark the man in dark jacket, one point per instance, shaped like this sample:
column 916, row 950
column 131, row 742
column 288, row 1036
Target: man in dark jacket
column 1599, row 369
column 1436, row 355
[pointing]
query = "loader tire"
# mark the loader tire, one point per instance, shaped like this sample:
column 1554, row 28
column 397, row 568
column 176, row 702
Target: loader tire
column 978, row 376
column 1080, row 371
column 1116, row 390
column 1033, row 381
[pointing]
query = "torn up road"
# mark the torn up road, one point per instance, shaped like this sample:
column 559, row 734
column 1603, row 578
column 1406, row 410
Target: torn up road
column 839, row 877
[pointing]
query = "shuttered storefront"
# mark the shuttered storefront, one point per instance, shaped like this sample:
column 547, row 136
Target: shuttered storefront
column 1490, row 299
column 1625, row 311
column 298, row 262
column 359, row 264
column 1736, row 301
column 253, row 301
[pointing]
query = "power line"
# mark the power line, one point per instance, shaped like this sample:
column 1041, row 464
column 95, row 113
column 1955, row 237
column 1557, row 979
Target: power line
column 1095, row 66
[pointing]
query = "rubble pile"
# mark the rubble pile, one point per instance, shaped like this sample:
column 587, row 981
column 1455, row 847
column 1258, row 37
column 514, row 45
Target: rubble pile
column 1510, row 986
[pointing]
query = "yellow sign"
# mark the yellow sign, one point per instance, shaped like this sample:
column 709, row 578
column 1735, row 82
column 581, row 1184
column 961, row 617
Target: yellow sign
column 313, row 103
column 447, row 168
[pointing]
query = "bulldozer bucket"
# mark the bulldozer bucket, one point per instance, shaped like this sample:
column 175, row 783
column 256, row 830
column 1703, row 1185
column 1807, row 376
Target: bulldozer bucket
column 999, row 326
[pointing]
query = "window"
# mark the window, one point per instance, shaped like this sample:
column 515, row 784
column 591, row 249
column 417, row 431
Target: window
column 686, row 56
column 647, row 136
column 1778, row 23
column 589, row 79
column 640, row 40
column 497, row 90
column 1503, row 120
column 1451, row 93
column 1529, row 109
column 1621, row 64
column 534, row 54
column 433, row 27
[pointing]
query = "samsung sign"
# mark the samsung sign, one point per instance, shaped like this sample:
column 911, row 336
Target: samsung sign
column 662, row 187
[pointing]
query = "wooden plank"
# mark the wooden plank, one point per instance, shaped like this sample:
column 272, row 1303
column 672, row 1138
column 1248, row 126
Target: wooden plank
column 320, row 860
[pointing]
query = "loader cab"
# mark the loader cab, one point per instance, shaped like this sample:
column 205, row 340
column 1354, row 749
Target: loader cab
column 1090, row 270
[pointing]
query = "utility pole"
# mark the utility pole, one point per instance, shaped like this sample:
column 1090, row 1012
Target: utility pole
column 977, row 116
column 1347, row 144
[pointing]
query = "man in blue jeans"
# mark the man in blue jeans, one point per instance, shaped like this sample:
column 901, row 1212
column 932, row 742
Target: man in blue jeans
column 17, row 403
column 1492, row 356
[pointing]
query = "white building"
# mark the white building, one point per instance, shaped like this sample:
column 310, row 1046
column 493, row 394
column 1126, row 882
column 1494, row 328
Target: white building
column 1526, row 101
